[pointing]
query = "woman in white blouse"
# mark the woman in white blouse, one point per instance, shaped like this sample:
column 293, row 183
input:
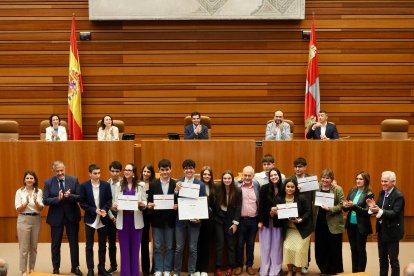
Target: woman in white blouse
column 28, row 202
column 107, row 131
column 55, row 132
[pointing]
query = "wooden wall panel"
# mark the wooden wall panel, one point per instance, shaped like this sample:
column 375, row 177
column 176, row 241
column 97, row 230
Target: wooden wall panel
column 153, row 73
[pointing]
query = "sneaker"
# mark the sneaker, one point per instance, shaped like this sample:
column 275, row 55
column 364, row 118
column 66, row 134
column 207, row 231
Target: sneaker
column 304, row 270
column 158, row 273
column 196, row 273
column 167, row 273
column 203, row 274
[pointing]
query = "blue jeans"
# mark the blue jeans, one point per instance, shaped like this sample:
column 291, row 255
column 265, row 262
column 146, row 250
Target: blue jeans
column 160, row 236
column 247, row 230
column 180, row 236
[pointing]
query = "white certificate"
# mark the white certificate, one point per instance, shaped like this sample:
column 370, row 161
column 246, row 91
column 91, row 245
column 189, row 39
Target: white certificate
column 128, row 202
column 192, row 208
column 163, row 202
column 189, row 190
column 326, row 199
column 288, row 210
column 309, row 183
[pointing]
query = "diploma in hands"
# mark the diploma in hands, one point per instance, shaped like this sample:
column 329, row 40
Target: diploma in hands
column 326, row 199
column 189, row 190
column 128, row 202
column 164, row 202
column 288, row 210
column 192, row 208
column 309, row 183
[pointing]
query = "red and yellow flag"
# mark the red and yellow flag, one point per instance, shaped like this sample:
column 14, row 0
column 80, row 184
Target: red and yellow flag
column 312, row 93
column 75, row 89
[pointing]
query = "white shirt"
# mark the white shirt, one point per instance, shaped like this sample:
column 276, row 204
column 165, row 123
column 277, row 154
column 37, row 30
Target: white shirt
column 21, row 198
column 97, row 223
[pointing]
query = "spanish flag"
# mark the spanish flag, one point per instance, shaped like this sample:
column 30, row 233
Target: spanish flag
column 312, row 93
column 75, row 89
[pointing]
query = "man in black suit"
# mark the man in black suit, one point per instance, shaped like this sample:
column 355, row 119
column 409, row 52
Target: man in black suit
column 322, row 130
column 96, row 199
column 61, row 194
column 389, row 210
column 195, row 130
column 163, row 221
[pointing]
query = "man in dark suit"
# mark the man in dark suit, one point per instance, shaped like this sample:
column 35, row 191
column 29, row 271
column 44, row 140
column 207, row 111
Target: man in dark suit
column 163, row 221
column 96, row 200
column 195, row 130
column 322, row 130
column 389, row 210
column 61, row 194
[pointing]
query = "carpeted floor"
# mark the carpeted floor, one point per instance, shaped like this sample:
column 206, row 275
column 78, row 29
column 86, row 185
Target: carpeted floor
column 9, row 252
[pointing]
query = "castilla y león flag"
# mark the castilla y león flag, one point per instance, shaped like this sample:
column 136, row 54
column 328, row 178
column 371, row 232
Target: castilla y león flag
column 75, row 89
column 312, row 94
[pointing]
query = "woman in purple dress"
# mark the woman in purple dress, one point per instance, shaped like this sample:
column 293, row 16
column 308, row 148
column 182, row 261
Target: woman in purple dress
column 130, row 222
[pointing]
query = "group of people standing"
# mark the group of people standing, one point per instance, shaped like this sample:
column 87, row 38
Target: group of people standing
column 237, row 210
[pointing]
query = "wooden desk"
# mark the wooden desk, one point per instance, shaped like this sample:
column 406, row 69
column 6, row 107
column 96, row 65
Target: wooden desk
column 219, row 154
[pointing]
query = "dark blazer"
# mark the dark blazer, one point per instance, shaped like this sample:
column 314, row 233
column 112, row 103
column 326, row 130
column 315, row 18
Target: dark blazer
column 361, row 210
column 392, row 226
column 67, row 207
column 331, row 132
column 87, row 201
column 189, row 132
column 265, row 204
column 161, row 218
column 232, row 214
column 305, row 228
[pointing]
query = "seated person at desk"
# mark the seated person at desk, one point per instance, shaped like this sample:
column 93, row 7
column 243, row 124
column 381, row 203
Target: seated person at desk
column 278, row 129
column 107, row 131
column 195, row 130
column 55, row 132
column 322, row 130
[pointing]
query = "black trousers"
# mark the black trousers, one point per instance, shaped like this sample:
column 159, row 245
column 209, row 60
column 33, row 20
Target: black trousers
column 388, row 251
column 205, row 237
column 111, row 229
column 358, row 243
column 223, row 235
column 102, row 234
column 72, row 232
column 145, row 254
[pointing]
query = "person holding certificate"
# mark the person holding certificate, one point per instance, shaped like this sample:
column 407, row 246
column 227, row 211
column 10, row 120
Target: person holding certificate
column 207, row 225
column 270, row 227
column 190, row 227
column 227, row 210
column 130, row 222
column 296, row 230
column 358, row 223
column 329, row 227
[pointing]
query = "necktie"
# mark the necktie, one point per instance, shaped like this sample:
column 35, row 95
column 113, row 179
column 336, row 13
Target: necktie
column 61, row 185
column 385, row 197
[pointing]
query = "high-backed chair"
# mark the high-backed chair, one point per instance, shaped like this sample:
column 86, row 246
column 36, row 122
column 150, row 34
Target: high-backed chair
column 291, row 124
column 394, row 129
column 46, row 123
column 204, row 120
column 118, row 123
column 9, row 130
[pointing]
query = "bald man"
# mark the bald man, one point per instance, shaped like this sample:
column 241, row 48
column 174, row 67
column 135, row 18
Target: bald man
column 247, row 228
column 278, row 129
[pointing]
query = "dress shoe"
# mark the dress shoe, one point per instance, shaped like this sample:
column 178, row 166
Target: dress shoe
column 114, row 268
column 251, row 271
column 229, row 272
column 76, row 271
column 90, row 272
column 238, row 270
column 103, row 272
column 56, row 271
column 218, row 272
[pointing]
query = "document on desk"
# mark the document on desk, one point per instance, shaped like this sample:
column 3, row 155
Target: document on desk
column 128, row 202
column 192, row 208
column 189, row 190
column 309, row 183
column 288, row 210
column 164, row 202
column 326, row 199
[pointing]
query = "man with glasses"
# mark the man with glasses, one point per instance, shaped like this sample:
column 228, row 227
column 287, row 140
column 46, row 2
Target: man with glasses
column 192, row 227
column 195, row 130
column 115, row 169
